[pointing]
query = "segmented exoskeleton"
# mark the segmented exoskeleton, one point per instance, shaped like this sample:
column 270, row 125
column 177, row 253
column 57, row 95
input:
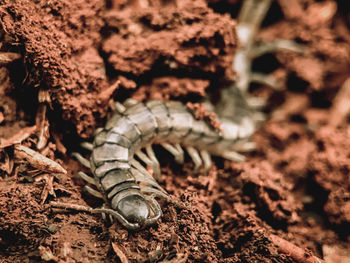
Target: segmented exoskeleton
column 125, row 184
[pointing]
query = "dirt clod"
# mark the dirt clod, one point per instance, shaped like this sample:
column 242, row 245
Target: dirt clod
column 63, row 63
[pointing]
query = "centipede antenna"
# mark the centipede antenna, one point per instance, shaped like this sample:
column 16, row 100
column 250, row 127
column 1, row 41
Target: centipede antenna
column 157, row 211
column 121, row 219
column 81, row 159
column 82, row 208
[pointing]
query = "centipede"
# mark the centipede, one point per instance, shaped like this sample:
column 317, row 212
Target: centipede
column 129, row 190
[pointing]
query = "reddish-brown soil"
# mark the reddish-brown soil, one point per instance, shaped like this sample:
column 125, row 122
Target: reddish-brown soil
column 289, row 202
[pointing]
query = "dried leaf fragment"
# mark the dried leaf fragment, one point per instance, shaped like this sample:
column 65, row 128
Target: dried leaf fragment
column 38, row 160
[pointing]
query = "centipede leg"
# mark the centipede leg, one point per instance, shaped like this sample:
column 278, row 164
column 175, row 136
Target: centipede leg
column 244, row 146
column 233, row 156
column 277, row 45
column 156, row 166
column 130, row 102
column 86, row 178
column 140, row 168
column 87, row 146
column 110, row 217
column 195, row 158
column 176, row 151
column 97, row 131
column 245, row 128
column 93, row 192
column 81, row 159
column 146, row 179
column 148, row 161
column 206, row 159
column 163, row 196
column 155, row 192
column 119, row 107
column 143, row 157
column 266, row 80
column 142, row 176
column 255, row 103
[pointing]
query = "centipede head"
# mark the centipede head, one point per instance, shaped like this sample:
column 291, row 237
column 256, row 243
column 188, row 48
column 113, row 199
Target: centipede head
column 136, row 211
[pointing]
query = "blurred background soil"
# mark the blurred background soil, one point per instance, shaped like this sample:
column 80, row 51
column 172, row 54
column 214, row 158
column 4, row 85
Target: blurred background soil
column 289, row 202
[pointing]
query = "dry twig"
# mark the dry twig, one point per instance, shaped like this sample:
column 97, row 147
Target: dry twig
column 48, row 188
column 119, row 253
column 43, row 126
column 296, row 253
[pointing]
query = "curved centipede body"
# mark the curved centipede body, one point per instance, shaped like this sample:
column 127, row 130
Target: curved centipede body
column 126, row 186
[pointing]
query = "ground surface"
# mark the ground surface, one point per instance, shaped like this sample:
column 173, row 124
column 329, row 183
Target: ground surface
column 291, row 194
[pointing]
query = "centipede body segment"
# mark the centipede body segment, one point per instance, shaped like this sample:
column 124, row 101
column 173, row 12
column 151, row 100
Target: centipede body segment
column 127, row 187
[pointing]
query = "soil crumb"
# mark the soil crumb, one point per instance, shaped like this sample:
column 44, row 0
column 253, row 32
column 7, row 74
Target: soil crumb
column 288, row 202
